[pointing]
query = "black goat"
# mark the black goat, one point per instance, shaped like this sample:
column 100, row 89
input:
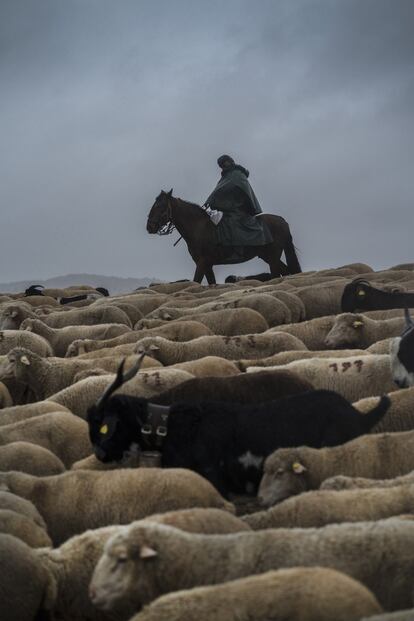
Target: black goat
column 34, row 290
column 361, row 295
column 225, row 442
column 263, row 277
column 402, row 355
column 243, row 388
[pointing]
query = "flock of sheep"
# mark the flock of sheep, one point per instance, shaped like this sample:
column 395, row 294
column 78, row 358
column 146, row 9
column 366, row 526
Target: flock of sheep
column 280, row 483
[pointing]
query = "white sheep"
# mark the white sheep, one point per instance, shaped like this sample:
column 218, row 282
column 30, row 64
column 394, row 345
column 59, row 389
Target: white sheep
column 144, row 561
column 29, row 458
column 229, row 347
column 291, row 471
column 354, row 378
column 80, row 499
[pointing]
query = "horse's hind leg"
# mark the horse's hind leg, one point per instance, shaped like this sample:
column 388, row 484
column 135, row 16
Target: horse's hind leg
column 211, row 279
column 200, row 271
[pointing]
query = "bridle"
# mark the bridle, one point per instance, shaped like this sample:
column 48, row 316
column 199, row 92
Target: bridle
column 169, row 226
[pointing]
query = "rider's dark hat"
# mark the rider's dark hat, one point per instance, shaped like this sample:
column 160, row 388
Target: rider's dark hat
column 224, row 158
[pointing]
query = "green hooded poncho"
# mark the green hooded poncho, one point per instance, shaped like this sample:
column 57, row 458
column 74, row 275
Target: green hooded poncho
column 234, row 196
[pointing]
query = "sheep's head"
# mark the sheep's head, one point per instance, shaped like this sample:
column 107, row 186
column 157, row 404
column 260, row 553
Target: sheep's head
column 17, row 363
column 127, row 572
column 150, row 346
column 77, row 348
column 284, row 476
column 11, row 317
column 402, row 355
column 347, row 332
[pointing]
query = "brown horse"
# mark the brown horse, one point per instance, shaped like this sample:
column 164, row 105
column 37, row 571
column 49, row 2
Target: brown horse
column 196, row 228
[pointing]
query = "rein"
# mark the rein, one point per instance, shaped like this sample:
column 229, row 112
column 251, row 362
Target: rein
column 169, row 226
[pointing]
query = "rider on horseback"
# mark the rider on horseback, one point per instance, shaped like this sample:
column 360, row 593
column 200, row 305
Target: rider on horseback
column 234, row 197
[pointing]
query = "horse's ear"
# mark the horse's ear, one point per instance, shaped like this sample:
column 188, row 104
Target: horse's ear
column 170, row 192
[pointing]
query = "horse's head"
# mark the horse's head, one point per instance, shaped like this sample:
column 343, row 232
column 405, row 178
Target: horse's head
column 159, row 218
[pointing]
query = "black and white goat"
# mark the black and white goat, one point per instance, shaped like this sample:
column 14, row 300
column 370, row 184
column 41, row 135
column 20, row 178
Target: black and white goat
column 361, row 295
column 226, row 443
column 402, row 355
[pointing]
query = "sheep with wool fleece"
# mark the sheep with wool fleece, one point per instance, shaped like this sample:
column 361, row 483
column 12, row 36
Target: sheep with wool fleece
column 6, row 400
column 21, row 506
column 24, row 583
column 30, row 458
column 297, row 594
column 62, row 433
column 61, row 338
column 231, row 322
column 356, row 330
column 290, row 471
column 320, row 507
column 341, row 482
column 174, row 331
column 311, row 332
column 23, row 528
column 229, row 347
column 274, row 311
column 399, row 417
column 89, row 316
column 285, row 357
column 144, row 303
column 9, row 339
column 16, row 413
column 354, row 378
column 110, row 497
column 144, row 561
column 47, row 376
column 72, row 564
column 82, row 395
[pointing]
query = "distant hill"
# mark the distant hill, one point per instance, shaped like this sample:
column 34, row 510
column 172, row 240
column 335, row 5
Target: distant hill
column 114, row 284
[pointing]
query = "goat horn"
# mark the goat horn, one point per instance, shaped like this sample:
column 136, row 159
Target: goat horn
column 120, row 379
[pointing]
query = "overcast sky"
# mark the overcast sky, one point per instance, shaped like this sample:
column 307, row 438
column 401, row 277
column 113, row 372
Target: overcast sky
column 106, row 102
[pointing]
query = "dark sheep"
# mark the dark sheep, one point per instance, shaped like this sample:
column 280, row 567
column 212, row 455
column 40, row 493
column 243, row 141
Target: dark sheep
column 402, row 355
column 361, row 295
column 226, row 443
column 34, row 290
column 244, row 388
column 263, row 277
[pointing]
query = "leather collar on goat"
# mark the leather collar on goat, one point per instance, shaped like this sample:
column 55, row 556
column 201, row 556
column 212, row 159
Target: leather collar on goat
column 155, row 428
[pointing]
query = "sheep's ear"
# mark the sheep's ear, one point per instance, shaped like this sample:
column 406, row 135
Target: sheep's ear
column 167, row 316
column 298, row 468
column 28, row 328
column 147, row 552
column 154, row 348
column 25, row 360
column 358, row 324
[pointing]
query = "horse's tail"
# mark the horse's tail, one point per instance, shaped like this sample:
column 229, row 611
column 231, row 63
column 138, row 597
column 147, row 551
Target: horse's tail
column 291, row 256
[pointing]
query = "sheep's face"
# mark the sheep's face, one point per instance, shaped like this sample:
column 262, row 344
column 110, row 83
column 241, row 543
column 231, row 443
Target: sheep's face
column 149, row 346
column 402, row 360
column 346, row 333
column 121, row 575
column 281, row 479
column 76, row 348
column 10, row 318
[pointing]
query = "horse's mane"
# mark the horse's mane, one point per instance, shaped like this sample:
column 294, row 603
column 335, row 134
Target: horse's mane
column 188, row 204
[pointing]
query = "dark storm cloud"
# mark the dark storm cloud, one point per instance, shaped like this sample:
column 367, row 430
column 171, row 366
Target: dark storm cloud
column 106, row 102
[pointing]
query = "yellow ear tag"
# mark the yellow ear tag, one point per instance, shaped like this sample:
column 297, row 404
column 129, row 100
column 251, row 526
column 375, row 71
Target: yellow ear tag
column 357, row 324
column 104, row 429
column 298, row 468
column 361, row 293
